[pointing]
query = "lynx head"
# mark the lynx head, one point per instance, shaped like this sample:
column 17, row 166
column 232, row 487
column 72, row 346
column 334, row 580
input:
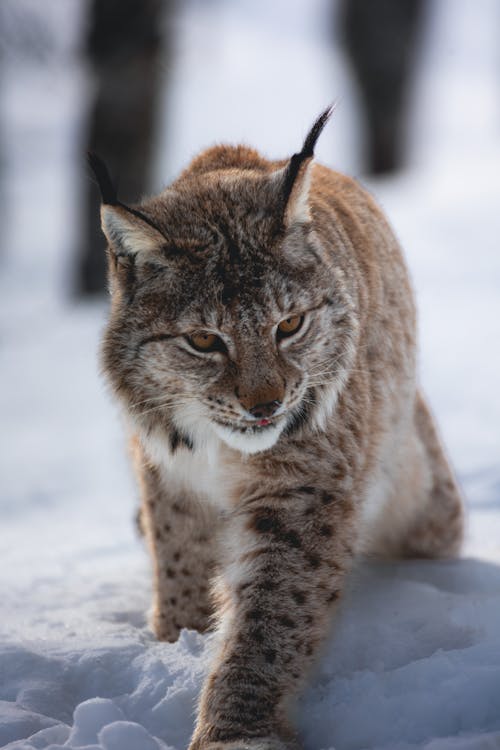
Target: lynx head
column 228, row 318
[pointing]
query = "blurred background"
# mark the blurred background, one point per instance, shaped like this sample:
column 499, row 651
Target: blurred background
column 147, row 85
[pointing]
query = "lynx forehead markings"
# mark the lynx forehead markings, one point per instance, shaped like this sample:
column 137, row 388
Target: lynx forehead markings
column 262, row 340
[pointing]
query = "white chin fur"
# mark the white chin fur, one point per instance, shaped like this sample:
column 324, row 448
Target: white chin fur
column 251, row 442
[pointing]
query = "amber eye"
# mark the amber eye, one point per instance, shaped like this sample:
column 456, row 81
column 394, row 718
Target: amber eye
column 289, row 326
column 206, row 342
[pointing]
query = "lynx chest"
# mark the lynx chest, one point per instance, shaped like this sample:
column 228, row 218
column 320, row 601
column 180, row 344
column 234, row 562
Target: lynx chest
column 199, row 471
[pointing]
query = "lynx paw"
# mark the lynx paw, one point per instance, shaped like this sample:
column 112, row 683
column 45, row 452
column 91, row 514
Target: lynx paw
column 165, row 628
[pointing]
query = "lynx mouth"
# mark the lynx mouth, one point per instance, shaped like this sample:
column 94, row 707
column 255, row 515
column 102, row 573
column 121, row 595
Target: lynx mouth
column 252, row 437
column 252, row 428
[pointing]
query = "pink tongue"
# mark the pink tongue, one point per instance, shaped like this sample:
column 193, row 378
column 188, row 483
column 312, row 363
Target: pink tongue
column 263, row 422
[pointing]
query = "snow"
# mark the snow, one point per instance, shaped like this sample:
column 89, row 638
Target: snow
column 414, row 659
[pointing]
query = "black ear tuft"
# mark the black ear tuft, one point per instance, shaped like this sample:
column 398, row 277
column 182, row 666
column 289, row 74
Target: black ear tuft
column 307, row 152
column 108, row 190
column 100, row 170
column 315, row 132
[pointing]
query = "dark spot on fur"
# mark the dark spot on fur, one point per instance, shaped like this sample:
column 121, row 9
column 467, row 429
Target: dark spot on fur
column 186, row 592
column 286, row 621
column 177, row 556
column 233, row 252
column 313, row 560
column 326, row 498
column 333, row 596
column 158, row 534
column 270, row 655
column 257, row 634
column 178, row 439
column 166, row 527
column 173, row 600
column 326, row 530
column 185, row 571
column 299, row 596
column 266, row 523
column 309, row 650
column 269, row 524
column 306, row 490
column 170, row 573
column 310, row 510
column 268, row 585
column 292, row 539
column 254, row 614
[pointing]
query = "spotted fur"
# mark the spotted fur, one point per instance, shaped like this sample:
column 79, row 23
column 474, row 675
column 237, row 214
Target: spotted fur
column 268, row 514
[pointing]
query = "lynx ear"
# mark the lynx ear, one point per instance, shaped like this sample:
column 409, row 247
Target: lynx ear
column 128, row 231
column 131, row 243
column 297, row 176
column 128, row 234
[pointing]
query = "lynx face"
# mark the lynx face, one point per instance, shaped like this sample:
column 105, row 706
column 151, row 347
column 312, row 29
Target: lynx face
column 225, row 320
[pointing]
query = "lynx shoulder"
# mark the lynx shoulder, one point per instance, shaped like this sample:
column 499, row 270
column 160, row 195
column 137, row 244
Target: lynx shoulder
column 262, row 341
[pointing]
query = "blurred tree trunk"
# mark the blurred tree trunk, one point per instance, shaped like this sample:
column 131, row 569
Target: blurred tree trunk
column 124, row 47
column 381, row 38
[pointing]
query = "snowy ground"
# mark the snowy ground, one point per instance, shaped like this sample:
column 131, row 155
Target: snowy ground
column 414, row 661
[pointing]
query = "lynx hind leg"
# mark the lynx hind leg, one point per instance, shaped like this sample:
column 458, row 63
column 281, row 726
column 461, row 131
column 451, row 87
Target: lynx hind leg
column 180, row 533
column 438, row 530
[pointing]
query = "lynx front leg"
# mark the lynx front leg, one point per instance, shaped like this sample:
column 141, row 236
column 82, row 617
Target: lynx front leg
column 181, row 536
column 289, row 557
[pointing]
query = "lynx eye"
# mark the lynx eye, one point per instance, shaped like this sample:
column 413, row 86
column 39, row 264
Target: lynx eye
column 289, row 326
column 203, row 341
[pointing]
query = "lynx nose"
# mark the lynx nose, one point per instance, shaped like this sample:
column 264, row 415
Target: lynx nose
column 261, row 411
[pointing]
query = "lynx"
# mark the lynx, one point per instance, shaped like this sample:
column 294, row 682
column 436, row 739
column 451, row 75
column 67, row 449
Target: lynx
column 262, row 341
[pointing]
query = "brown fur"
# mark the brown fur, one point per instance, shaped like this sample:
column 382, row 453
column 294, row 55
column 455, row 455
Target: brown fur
column 357, row 467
